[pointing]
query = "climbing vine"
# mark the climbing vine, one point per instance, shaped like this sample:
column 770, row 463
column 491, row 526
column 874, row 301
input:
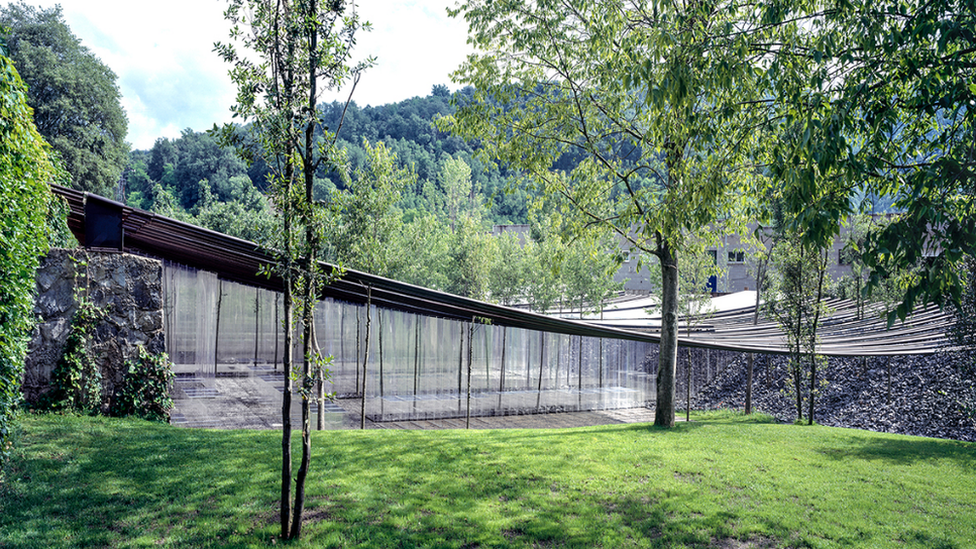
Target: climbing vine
column 76, row 383
column 144, row 391
column 26, row 167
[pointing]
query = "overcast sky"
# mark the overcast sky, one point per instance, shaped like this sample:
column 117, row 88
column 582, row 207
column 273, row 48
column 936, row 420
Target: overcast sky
column 170, row 78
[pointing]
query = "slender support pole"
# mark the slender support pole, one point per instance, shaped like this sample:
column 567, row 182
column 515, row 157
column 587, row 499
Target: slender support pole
column 542, row 356
column 467, row 422
column 369, row 302
column 558, row 356
column 220, row 296
column 416, row 361
column 601, row 363
column 257, row 325
column 501, row 376
column 359, row 336
column 277, row 296
column 460, row 367
column 379, row 321
column 579, row 373
column 487, row 360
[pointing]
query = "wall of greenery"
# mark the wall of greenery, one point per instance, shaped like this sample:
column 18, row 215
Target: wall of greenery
column 26, row 167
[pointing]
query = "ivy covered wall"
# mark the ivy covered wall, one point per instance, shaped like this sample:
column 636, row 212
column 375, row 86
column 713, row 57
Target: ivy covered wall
column 127, row 290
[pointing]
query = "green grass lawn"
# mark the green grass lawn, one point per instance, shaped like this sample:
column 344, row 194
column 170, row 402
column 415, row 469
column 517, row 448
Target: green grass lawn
column 721, row 481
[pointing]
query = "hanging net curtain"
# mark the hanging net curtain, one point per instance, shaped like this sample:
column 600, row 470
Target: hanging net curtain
column 408, row 366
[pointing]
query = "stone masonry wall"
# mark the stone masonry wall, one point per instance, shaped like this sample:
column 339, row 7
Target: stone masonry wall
column 129, row 290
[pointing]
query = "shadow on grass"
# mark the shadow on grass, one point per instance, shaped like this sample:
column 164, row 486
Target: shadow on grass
column 100, row 482
column 116, row 482
column 905, row 451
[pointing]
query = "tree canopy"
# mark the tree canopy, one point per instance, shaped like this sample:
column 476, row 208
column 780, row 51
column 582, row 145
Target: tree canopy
column 661, row 104
column 875, row 99
column 74, row 95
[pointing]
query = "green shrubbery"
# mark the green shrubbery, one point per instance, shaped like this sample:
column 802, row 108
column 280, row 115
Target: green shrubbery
column 144, row 391
column 26, row 167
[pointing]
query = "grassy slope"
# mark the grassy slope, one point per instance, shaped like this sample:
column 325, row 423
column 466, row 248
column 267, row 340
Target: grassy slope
column 95, row 482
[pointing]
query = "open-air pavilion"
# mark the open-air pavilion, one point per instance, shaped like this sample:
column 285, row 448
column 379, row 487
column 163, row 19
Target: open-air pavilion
column 425, row 354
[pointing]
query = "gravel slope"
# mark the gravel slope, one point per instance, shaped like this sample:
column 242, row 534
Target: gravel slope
column 933, row 396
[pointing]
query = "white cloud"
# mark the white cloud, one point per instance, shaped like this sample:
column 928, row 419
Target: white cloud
column 170, row 78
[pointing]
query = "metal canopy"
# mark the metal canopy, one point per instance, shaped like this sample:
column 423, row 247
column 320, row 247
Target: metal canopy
column 239, row 260
column 842, row 332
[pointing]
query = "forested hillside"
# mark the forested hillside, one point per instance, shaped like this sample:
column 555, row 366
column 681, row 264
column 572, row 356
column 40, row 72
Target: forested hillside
column 179, row 165
column 409, row 202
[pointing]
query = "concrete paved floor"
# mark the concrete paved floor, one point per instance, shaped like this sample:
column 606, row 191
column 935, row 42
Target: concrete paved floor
column 245, row 398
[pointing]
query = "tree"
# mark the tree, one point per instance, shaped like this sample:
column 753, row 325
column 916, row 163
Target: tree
column 796, row 302
column 663, row 103
column 74, row 95
column 295, row 46
column 876, row 100
column 509, row 273
column 30, row 218
column 369, row 220
column 469, row 259
column 420, row 252
column 588, row 270
column 455, row 182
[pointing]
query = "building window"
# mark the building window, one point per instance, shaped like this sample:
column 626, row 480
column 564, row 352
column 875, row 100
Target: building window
column 737, row 256
column 845, row 256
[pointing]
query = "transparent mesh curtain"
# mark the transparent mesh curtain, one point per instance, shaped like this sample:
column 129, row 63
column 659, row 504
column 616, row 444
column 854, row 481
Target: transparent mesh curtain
column 416, row 367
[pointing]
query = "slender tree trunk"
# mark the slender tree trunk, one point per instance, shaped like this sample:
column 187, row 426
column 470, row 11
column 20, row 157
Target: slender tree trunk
column 668, row 350
column 277, row 297
column 287, row 366
column 688, row 385
column 822, row 264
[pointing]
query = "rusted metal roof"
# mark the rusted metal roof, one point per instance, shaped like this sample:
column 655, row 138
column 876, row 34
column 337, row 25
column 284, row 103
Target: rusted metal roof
column 151, row 234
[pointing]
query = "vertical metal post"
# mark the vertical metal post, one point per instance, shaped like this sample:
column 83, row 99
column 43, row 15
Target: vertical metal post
column 460, row 366
column 277, row 296
column 467, row 422
column 220, row 296
column 501, row 380
column 257, row 325
column 369, row 301
column 579, row 384
column 542, row 356
column 379, row 321
column 416, row 361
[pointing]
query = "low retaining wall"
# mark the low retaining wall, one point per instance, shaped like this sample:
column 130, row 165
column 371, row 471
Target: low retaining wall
column 127, row 288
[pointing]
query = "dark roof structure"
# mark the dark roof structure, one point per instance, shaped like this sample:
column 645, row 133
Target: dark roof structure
column 102, row 224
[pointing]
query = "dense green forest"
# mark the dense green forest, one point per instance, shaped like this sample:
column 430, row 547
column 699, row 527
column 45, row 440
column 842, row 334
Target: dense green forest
column 406, row 129
column 408, row 202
